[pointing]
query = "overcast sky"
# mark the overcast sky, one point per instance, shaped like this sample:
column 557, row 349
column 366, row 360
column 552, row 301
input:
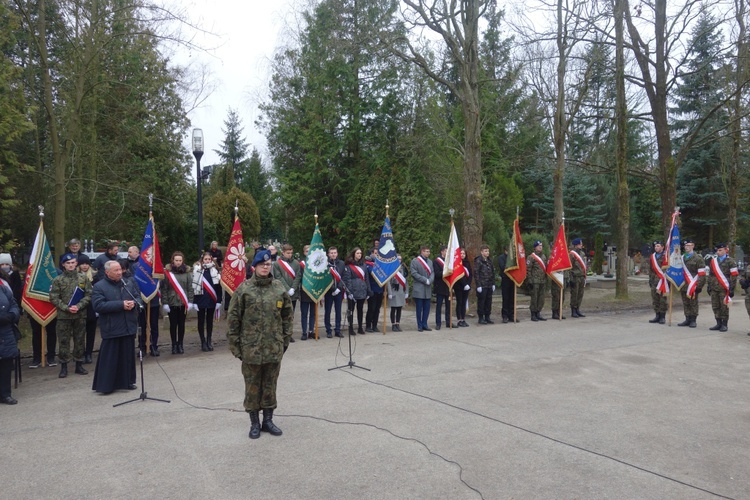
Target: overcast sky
column 246, row 33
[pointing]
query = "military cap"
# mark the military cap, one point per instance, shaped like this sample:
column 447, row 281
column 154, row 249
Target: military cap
column 688, row 240
column 720, row 245
column 658, row 242
column 577, row 241
column 68, row 257
column 537, row 243
column 262, row 256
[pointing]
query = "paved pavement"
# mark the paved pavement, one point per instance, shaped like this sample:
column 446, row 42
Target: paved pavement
column 607, row 406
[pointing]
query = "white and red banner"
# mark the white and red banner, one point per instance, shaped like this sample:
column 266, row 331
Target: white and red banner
column 454, row 267
column 233, row 271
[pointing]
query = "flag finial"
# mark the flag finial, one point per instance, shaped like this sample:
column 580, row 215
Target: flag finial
column 236, row 207
column 41, row 211
column 386, row 208
column 452, row 211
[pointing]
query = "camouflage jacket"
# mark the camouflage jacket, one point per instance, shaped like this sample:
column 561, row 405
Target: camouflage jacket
column 694, row 263
column 259, row 321
column 535, row 274
column 62, row 290
column 577, row 271
column 653, row 278
column 728, row 268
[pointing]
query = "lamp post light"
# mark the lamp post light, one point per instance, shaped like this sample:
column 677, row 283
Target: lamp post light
column 198, row 153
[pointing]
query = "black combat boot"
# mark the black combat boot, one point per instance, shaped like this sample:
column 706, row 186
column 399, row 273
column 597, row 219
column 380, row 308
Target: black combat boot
column 254, row 424
column 692, row 321
column 488, row 320
column 304, row 336
column 268, row 425
column 573, row 312
column 723, row 327
column 539, row 317
column 204, row 348
column 174, row 348
column 656, row 318
column 87, row 359
column 533, row 316
column 209, row 342
column 80, row 370
column 662, row 318
column 555, row 314
column 63, row 370
column 351, row 330
column 482, row 321
column 686, row 322
column 360, row 330
column 579, row 313
column 716, row 326
column 180, row 348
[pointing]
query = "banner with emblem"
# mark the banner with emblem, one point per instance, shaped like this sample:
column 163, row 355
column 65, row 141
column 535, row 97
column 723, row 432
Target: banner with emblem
column 149, row 269
column 39, row 275
column 559, row 258
column 317, row 278
column 675, row 272
column 516, row 263
column 386, row 263
column 454, row 266
column 233, row 271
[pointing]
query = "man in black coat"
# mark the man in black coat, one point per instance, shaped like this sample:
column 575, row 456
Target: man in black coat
column 506, row 286
column 442, row 293
column 117, row 303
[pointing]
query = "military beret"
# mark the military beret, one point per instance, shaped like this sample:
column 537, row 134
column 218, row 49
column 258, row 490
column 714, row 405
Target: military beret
column 262, row 256
column 577, row 241
column 84, row 259
column 658, row 242
column 688, row 240
column 537, row 243
column 720, row 245
column 68, row 257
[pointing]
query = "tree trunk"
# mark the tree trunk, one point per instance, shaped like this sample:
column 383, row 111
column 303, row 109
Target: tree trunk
column 736, row 129
column 559, row 123
column 623, row 193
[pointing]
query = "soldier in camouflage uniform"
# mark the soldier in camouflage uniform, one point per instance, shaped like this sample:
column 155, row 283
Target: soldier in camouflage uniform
column 577, row 280
column 657, row 264
column 536, row 278
column 71, row 321
column 722, row 278
column 259, row 329
column 695, row 266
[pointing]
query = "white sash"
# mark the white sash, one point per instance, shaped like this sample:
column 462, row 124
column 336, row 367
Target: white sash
column 401, row 280
column 723, row 281
column 662, row 286
column 579, row 259
column 208, row 287
column 424, row 264
column 540, row 261
column 360, row 273
column 177, row 288
column 288, row 268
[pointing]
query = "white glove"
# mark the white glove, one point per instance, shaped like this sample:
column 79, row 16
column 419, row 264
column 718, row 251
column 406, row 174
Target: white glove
column 390, row 296
column 217, row 311
column 192, row 306
column 291, row 292
column 479, row 289
column 428, row 281
column 218, row 305
column 493, row 288
column 336, row 292
column 467, row 288
column 166, row 308
column 406, row 296
column 97, row 314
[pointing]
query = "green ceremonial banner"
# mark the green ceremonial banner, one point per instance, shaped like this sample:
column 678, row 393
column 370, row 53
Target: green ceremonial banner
column 317, row 278
column 42, row 268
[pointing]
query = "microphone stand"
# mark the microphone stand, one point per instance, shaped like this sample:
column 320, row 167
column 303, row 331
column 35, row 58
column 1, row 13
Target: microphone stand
column 144, row 395
column 349, row 321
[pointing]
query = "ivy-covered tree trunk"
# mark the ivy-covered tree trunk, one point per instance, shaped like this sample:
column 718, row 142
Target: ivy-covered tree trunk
column 742, row 73
column 623, row 192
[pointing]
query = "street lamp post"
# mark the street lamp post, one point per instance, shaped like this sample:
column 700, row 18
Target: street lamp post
column 198, row 153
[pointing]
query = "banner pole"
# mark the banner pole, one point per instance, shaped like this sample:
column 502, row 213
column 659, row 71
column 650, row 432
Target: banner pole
column 317, row 307
column 385, row 306
column 148, row 328
column 44, row 346
column 562, row 292
column 450, row 309
column 515, row 303
column 670, row 307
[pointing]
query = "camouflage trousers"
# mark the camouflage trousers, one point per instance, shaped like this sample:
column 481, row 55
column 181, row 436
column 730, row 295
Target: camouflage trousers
column 555, row 292
column 260, row 385
column 658, row 301
column 689, row 305
column 577, row 285
column 537, row 298
column 721, row 310
column 67, row 329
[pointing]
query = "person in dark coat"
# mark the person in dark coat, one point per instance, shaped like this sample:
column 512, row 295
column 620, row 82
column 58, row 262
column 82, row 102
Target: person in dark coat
column 484, row 278
column 207, row 294
column 11, row 275
column 9, row 314
column 461, row 289
column 334, row 296
column 442, row 292
column 375, row 300
column 506, row 286
column 84, row 266
column 357, row 287
column 108, row 255
column 117, row 304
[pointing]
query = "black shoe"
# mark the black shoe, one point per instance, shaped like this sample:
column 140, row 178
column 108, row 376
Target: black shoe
column 437, row 327
column 51, row 362
column 268, row 425
column 291, row 340
column 555, row 315
column 63, row 370
column 533, row 317
column 210, row 344
column 692, row 321
column 419, row 329
column 539, row 317
column 716, row 326
column 204, row 348
column 360, row 330
column 369, row 330
column 155, row 351
column 330, row 335
column 132, row 387
column 180, row 349
column 254, row 425
column 427, row 329
column 579, row 313
column 174, row 348
column 87, row 359
column 482, row 321
column 686, row 322
column 657, row 318
column 723, row 327
column 35, row 364
column 505, row 320
column 80, row 370
column 662, row 318
column 337, row 334
column 463, row 323
column 573, row 313
column 304, row 336
column 7, row 400
column 489, row 321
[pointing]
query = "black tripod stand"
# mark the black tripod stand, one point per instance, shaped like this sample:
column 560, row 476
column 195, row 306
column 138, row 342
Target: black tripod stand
column 144, row 395
column 350, row 321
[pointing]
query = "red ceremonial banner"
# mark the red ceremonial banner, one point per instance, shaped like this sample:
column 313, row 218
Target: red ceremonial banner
column 233, row 271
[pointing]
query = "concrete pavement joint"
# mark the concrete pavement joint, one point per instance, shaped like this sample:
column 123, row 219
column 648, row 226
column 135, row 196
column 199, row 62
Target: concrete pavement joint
column 388, row 431
column 543, row 436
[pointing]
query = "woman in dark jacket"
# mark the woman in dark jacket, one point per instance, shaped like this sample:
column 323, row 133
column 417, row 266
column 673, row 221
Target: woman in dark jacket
column 9, row 314
column 177, row 289
column 206, row 279
column 461, row 290
column 357, row 287
column 307, row 306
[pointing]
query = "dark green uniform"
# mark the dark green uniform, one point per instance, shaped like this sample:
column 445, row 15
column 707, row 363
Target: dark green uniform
column 658, row 300
column 536, row 279
column 259, row 328
column 70, row 325
column 728, row 268
column 695, row 265
column 577, row 278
